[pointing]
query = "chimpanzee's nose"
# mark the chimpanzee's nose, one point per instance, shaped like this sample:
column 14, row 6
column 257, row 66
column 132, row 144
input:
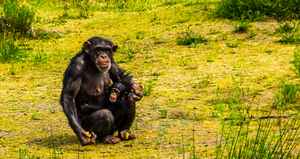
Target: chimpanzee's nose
column 103, row 56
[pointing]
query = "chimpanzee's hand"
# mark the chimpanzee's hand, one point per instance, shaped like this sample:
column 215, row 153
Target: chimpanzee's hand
column 87, row 138
column 137, row 92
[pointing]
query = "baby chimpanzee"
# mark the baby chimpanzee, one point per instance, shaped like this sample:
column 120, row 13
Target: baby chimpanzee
column 118, row 89
column 123, row 95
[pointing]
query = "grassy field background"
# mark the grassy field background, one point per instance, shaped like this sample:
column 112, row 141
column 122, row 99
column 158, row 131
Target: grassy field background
column 189, row 89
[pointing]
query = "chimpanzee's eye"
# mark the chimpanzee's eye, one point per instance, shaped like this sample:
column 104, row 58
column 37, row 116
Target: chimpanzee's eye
column 106, row 49
column 97, row 53
column 100, row 50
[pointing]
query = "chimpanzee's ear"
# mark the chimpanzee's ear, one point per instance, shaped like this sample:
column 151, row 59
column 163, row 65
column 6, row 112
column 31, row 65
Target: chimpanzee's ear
column 87, row 46
column 114, row 48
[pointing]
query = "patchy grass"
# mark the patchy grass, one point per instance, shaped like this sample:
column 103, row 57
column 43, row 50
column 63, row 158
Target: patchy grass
column 290, row 38
column 261, row 142
column 18, row 17
column 190, row 38
column 287, row 27
column 9, row 51
column 286, row 95
column 258, row 9
column 241, row 27
column 296, row 61
column 188, row 90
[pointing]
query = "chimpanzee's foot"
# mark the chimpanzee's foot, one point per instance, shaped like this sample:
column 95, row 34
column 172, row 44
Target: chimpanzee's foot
column 126, row 135
column 111, row 139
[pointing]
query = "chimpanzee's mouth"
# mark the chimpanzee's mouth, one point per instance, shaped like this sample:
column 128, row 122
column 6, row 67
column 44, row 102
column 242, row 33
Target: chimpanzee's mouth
column 105, row 65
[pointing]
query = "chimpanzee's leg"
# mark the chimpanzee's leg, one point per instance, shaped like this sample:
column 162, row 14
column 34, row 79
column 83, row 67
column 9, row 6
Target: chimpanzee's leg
column 125, row 118
column 101, row 122
column 129, row 115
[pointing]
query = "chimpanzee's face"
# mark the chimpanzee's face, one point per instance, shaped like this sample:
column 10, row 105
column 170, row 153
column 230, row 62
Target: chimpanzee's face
column 101, row 52
column 102, row 58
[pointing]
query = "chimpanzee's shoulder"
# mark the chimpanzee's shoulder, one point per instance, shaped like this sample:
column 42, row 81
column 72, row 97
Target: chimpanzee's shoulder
column 76, row 66
column 79, row 60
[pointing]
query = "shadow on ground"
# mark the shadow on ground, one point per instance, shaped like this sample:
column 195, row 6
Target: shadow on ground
column 55, row 141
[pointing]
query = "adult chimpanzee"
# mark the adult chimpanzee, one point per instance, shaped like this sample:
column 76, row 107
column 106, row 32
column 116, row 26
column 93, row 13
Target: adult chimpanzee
column 85, row 96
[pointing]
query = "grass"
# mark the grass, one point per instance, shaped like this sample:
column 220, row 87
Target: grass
column 290, row 38
column 73, row 9
column 130, row 5
column 24, row 154
column 286, row 95
column 190, row 38
column 9, row 51
column 258, row 9
column 296, row 61
column 241, row 27
column 148, row 87
column 19, row 18
column 290, row 32
column 287, row 27
column 189, row 89
column 265, row 141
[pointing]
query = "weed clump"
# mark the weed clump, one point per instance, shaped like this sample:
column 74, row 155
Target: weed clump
column 287, row 27
column 286, row 95
column 289, row 32
column 17, row 18
column 149, row 87
column 9, row 51
column 190, row 38
column 24, row 154
column 82, row 7
column 257, row 9
column 290, row 38
column 39, row 58
column 129, row 5
column 241, row 27
column 296, row 61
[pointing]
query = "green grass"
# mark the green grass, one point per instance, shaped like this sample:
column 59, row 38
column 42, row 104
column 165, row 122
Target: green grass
column 73, row 9
column 24, row 154
column 296, row 61
column 258, row 9
column 287, row 27
column 290, row 32
column 190, row 38
column 241, row 27
column 265, row 141
column 9, row 51
column 129, row 5
column 19, row 18
column 290, row 38
column 189, row 89
column 286, row 95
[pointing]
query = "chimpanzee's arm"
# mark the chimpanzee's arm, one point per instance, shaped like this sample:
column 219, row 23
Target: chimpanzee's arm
column 119, row 75
column 71, row 87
